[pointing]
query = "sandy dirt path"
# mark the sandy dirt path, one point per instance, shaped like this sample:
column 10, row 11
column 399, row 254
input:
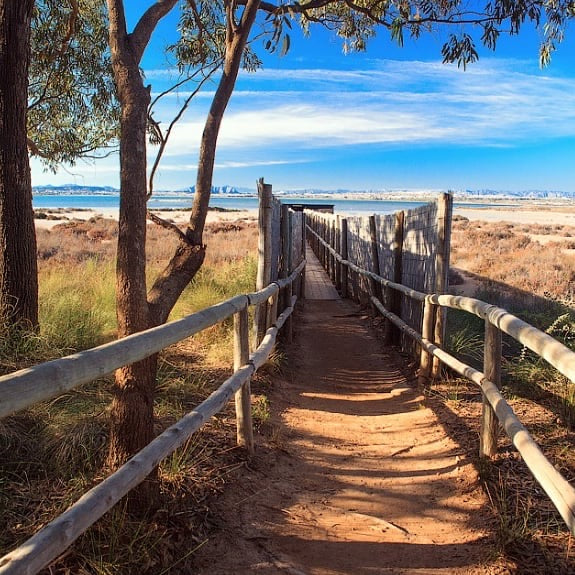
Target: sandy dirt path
column 358, row 477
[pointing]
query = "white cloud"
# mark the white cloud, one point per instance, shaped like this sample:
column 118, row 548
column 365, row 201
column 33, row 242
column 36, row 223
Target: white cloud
column 277, row 117
column 229, row 164
column 494, row 103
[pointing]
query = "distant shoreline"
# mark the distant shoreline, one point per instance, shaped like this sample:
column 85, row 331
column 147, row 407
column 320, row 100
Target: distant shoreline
column 527, row 212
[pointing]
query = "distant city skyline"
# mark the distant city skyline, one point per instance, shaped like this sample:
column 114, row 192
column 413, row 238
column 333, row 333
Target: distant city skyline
column 385, row 119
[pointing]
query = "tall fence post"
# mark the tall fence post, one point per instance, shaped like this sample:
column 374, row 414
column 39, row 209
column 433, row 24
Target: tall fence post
column 264, row 256
column 444, row 210
column 344, row 269
column 286, row 245
column 245, row 435
column 393, row 297
column 337, row 239
column 301, row 281
column 426, row 358
column 286, row 268
column 375, row 268
column 492, row 372
column 332, row 243
column 325, row 236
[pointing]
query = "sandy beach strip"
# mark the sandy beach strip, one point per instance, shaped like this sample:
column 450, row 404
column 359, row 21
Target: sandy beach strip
column 524, row 214
column 543, row 215
column 179, row 217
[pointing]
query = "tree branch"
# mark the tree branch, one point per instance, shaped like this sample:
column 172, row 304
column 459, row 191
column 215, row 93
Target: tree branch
column 164, row 139
column 140, row 37
column 166, row 225
column 71, row 27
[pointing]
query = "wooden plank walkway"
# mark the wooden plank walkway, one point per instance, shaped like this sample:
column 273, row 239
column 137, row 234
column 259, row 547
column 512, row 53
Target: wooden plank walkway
column 318, row 286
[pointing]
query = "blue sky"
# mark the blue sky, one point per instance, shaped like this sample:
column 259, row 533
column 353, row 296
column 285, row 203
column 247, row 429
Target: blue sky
column 390, row 118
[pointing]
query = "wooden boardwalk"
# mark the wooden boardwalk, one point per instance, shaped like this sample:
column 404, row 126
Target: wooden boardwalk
column 318, row 286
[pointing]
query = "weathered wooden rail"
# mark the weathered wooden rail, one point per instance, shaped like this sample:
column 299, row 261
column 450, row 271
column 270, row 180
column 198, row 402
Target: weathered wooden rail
column 497, row 321
column 26, row 387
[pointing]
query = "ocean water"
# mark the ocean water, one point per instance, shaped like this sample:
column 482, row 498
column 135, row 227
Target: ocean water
column 341, row 205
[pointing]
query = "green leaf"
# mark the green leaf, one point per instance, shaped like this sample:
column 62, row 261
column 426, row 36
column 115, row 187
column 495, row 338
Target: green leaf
column 285, row 45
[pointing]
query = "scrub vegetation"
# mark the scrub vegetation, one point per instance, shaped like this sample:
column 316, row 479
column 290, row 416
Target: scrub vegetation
column 530, row 271
column 53, row 452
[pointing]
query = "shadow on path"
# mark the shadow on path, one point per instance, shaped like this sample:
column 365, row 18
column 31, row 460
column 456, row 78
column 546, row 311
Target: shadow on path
column 356, row 476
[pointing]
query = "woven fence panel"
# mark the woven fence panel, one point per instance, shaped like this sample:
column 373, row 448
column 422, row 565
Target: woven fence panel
column 297, row 219
column 420, row 244
column 276, row 238
column 385, row 226
column 359, row 253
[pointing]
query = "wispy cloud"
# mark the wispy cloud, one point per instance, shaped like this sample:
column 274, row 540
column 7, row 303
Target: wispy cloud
column 495, row 103
column 187, row 167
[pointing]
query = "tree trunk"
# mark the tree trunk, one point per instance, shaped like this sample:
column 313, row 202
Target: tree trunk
column 132, row 406
column 18, row 263
column 190, row 254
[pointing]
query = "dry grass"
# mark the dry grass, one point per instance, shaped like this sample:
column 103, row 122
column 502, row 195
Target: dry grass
column 530, row 535
column 506, row 253
column 529, row 270
column 55, row 451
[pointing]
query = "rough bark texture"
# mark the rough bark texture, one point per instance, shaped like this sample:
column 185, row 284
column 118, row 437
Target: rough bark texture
column 132, row 407
column 18, row 265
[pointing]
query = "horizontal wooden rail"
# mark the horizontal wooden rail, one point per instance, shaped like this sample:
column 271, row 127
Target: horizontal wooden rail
column 414, row 294
column 23, row 388
column 551, row 350
column 45, row 381
column 48, row 543
column 559, row 490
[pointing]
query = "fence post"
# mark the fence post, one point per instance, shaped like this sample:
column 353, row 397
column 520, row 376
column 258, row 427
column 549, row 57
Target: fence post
column 330, row 243
column 264, row 256
column 375, row 268
column 319, row 236
column 301, row 281
column 492, row 372
column 332, row 236
column 285, row 263
column 393, row 297
column 287, row 292
column 444, row 210
column 323, row 249
column 313, row 237
column 244, row 433
column 426, row 358
column 344, row 269
column 337, row 241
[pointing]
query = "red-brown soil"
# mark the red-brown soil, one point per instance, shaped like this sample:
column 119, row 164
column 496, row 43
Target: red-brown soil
column 356, row 474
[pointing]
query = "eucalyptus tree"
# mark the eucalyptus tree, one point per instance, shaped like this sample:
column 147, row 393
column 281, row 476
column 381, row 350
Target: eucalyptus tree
column 56, row 102
column 72, row 109
column 18, row 268
column 223, row 29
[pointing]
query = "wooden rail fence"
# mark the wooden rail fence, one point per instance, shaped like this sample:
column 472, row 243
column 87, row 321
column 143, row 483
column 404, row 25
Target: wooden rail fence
column 48, row 380
column 497, row 320
column 409, row 248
